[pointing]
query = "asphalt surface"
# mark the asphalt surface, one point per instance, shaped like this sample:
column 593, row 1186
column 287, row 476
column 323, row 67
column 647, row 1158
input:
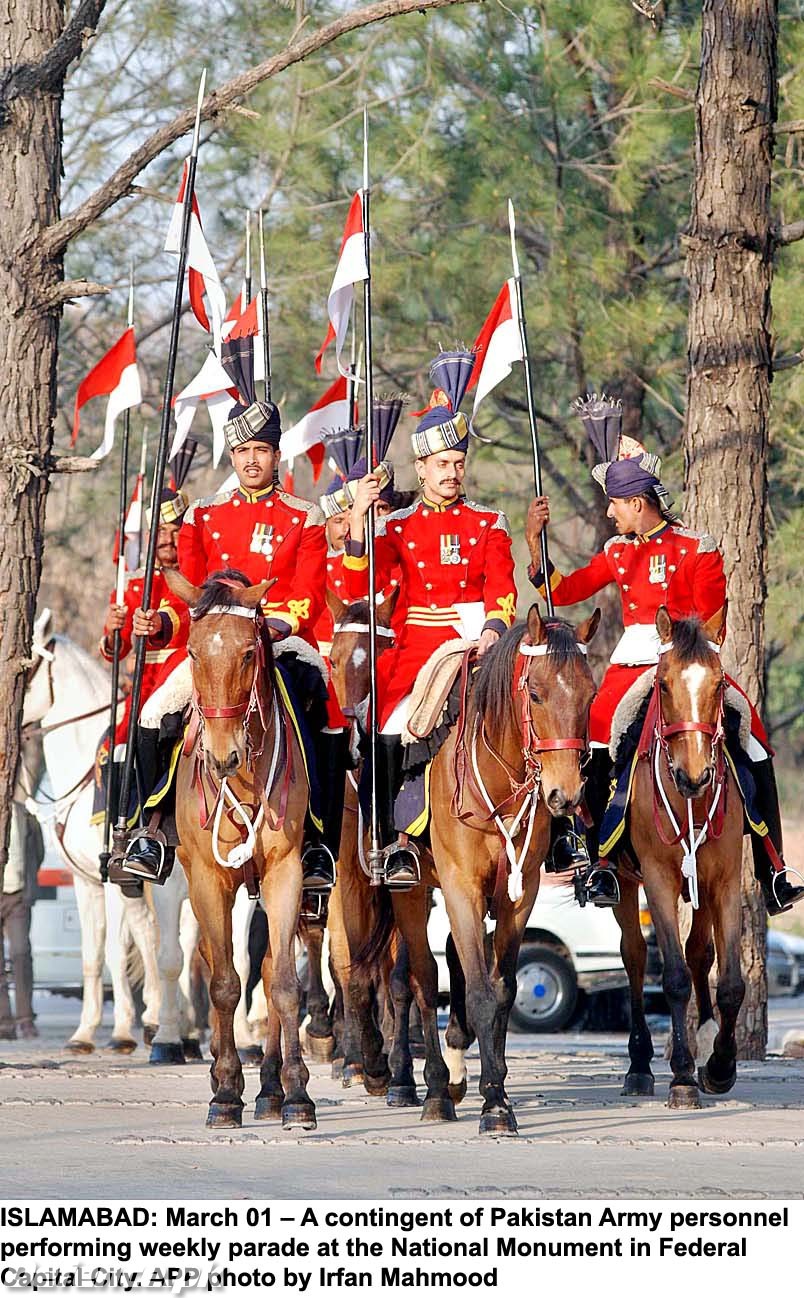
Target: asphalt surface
column 105, row 1127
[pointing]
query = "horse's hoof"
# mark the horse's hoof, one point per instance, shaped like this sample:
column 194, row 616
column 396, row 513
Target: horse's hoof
column 378, row 1084
column 337, row 1068
column 457, row 1091
column 438, row 1109
column 250, row 1055
column 638, row 1084
column 166, row 1052
column 299, row 1115
column 713, row 1085
column 498, row 1122
column 77, row 1047
column 352, row 1075
column 225, row 1115
column 684, row 1097
column 268, row 1108
column 191, row 1049
column 121, row 1045
column 149, row 1031
column 403, row 1097
column 321, row 1049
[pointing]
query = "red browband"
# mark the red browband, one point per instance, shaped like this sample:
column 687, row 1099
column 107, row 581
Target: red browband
column 679, row 727
column 210, row 714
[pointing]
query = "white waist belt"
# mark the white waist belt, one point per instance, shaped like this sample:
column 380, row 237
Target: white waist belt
column 638, row 646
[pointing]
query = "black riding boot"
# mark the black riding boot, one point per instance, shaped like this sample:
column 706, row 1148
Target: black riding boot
column 147, row 855
column 401, row 860
column 777, row 890
column 321, row 851
column 599, row 884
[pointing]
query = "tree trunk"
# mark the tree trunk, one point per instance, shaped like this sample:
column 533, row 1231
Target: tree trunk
column 30, row 174
column 729, row 263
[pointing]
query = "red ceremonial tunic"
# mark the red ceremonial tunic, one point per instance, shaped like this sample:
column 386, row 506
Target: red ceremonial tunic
column 669, row 565
column 457, row 577
column 160, row 653
column 266, row 533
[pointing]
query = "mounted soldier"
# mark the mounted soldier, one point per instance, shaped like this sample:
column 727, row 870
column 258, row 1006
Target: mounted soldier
column 456, row 578
column 263, row 532
column 654, row 561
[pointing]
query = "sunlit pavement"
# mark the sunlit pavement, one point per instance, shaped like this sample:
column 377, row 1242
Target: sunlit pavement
column 102, row 1126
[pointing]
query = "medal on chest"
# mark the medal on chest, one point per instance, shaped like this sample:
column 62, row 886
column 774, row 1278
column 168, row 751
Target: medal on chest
column 450, row 548
column 262, row 540
column 657, row 571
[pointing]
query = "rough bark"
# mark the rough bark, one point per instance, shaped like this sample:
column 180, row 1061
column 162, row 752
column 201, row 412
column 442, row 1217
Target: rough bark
column 729, row 264
column 30, row 165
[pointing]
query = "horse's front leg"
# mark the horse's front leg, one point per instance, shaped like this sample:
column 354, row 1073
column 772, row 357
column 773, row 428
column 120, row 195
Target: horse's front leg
column 633, row 949
column 166, row 1047
column 663, row 889
column 118, row 937
column 281, row 887
column 459, row 1036
column 511, row 922
column 272, row 1096
column 91, row 903
column 142, row 927
column 212, row 902
column 719, row 1072
column 411, row 910
column 320, row 1042
column 402, row 1082
column 700, row 956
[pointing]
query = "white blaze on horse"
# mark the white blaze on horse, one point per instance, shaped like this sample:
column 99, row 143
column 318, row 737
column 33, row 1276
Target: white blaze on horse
column 67, row 710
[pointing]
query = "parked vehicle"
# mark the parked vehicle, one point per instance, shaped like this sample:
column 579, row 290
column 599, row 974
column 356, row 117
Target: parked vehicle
column 781, row 965
column 566, row 951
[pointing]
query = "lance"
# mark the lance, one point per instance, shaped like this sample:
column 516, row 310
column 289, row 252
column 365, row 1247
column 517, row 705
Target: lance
column 266, row 338
column 351, row 387
column 119, row 593
column 141, row 480
column 121, row 826
column 534, row 435
column 248, row 262
column 375, row 849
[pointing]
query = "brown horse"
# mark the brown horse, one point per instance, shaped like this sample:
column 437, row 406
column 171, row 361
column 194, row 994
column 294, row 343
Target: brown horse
column 685, row 825
column 354, row 906
column 512, row 761
column 243, row 778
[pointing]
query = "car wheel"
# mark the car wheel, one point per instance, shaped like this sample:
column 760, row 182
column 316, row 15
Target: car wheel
column 546, row 990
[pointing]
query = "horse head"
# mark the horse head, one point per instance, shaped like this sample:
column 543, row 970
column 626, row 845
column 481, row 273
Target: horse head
column 557, row 688
column 690, row 686
column 349, row 656
column 226, row 646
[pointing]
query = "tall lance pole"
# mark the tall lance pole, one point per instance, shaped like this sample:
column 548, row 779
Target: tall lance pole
column 534, row 435
column 121, row 826
column 351, row 387
column 118, row 599
column 266, row 337
column 375, row 849
column 142, row 478
column 247, row 276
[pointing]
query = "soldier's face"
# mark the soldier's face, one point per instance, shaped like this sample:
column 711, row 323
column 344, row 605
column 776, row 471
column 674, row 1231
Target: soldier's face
column 383, row 508
column 337, row 530
column 626, row 514
column 254, row 463
column 441, row 475
column 167, row 553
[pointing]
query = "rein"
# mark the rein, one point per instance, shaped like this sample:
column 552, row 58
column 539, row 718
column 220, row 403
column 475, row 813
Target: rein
column 532, row 745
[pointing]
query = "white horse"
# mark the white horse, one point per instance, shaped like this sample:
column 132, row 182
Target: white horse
column 67, row 703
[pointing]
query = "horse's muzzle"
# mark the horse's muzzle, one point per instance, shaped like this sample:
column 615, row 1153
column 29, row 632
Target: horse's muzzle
column 689, row 788
column 560, row 804
column 226, row 767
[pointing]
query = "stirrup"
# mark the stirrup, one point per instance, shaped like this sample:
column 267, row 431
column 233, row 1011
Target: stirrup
column 602, row 895
column 318, row 868
column 401, row 866
column 314, row 906
column 777, row 904
column 146, row 857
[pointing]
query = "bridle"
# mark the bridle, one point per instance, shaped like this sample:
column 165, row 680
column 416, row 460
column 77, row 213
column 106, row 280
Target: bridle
column 712, row 826
column 532, row 746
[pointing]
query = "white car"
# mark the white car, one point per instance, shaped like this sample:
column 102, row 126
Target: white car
column 565, row 950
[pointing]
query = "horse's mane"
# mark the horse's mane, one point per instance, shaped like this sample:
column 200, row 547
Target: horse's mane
column 492, row 695
column 218, row 589
column 690, row 643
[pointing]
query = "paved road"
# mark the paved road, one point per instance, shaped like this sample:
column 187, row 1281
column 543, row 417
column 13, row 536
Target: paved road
column 108, row 1128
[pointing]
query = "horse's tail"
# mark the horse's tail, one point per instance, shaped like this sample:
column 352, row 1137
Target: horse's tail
column 370, row 955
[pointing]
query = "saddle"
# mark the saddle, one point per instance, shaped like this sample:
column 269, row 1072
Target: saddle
column 432, row 689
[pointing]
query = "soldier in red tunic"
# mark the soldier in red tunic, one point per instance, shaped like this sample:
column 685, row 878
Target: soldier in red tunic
column 654, row 561
column 457, row 579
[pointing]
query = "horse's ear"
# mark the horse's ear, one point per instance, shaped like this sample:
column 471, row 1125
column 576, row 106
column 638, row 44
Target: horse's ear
column 715, row 628
column 588, row 628
column 253, row 595
column 181, row 587
column 536, row 628
column 335, row 605
column 664, row 625
column 385, row 610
